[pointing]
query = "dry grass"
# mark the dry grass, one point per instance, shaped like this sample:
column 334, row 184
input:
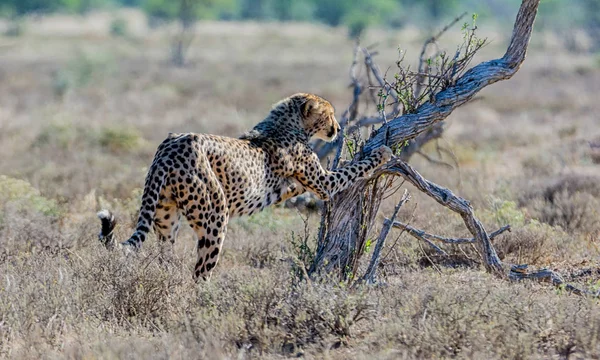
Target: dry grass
column 80, row 116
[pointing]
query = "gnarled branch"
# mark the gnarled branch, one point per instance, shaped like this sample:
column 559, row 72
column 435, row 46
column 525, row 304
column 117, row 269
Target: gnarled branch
column 453, row 241
column 457, row 204
column 344, row 219
column 465, row 88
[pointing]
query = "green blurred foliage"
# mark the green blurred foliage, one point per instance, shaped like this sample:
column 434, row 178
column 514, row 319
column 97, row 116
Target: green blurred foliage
column 558, row 15
column 367, row 13
column 188, row 10
column 284, row 10
column 12, row 8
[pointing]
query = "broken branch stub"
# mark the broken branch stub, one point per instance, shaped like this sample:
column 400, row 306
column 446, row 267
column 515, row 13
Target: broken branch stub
column 344, row 220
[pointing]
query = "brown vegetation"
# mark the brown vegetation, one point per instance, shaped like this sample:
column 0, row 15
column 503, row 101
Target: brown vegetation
column 80, row 118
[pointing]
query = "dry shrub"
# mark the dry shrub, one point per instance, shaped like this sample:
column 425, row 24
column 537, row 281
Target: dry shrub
column 27, row 219
column 52, row 295
column 595, row 156
column 91, row 291
column 570, row 202
column 136, row 288
column 594, row 148
column 66, row 136
column 539, row 165
column 573, row 212
column 272, row 313
column 93, row 303
column 262, row 254
column 535, row 243
column 467, row 314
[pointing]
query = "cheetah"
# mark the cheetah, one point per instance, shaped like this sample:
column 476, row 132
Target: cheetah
column 208, row 179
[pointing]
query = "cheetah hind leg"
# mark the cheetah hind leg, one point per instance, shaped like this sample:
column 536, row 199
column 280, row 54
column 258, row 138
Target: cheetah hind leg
column 166, row 226
column 208, row 215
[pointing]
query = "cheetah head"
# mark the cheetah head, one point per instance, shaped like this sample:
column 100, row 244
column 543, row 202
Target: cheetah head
column 318, row 117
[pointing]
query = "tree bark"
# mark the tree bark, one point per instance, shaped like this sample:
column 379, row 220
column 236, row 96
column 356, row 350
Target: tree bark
column 350, row 214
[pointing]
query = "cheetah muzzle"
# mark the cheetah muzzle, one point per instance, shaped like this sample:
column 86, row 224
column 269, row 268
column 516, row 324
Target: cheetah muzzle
column 208, row 179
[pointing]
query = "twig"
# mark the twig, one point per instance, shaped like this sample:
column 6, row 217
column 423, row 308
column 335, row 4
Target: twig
column 420, row 235
column 369, row 276
column 389, row 89
column 434, row 161
column 426, row 236
column 437, row 268
column 352, row 111
column 428, row 42
column 422, row 75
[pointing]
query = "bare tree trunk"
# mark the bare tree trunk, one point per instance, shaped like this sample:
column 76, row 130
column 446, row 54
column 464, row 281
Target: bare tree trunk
column 350, row 214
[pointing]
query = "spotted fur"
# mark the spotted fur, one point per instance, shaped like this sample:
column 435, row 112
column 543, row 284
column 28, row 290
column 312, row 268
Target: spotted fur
column 208, row 179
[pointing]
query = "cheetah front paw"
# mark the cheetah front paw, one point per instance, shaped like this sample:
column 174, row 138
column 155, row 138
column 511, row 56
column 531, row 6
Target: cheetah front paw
column 383, row 154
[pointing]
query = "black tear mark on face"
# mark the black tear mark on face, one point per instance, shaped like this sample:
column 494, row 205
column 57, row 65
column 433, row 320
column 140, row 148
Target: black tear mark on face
column 331, row 132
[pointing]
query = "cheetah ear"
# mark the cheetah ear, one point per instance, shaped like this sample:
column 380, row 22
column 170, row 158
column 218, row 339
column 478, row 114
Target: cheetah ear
column 309, row 107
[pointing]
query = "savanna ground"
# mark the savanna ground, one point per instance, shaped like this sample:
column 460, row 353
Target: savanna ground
column 82, row 113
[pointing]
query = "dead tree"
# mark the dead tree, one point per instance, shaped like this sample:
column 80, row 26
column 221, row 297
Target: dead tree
column 350, row 215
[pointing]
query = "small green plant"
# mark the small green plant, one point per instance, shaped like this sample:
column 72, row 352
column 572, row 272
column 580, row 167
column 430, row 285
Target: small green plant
column 506, row 212
column 368, row 244
column 60, row 133
column 25, row 197
column 82, row 70
column 119, row 139
column 302, row 251
column 397, row 148
column 351, row 147
column 118, row 27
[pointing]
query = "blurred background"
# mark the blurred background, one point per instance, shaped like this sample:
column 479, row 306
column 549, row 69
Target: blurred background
column 137, row 17
column 89, row 87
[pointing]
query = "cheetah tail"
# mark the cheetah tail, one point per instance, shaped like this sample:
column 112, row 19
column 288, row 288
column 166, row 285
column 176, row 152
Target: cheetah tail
column 155, row 181
column 106, row 235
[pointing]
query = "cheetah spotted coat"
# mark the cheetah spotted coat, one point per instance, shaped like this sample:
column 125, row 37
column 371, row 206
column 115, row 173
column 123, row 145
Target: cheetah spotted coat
column 208, row 178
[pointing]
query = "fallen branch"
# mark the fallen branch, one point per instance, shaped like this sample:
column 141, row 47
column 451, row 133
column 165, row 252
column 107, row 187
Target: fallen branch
column 462, row 206
column 420, row 235
column 519, row 272
column 454, row 241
